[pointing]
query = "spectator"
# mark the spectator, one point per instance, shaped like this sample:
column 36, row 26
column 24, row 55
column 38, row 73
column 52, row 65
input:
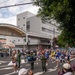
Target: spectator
column 14, row 61
column 18, row 59
column 66, row 70
column 24, row 71
column 43, row 60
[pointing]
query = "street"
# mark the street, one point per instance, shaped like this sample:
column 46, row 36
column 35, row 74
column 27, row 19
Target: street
column 7, row 69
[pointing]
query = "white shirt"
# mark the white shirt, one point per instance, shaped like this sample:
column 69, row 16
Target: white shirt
column 68, row 73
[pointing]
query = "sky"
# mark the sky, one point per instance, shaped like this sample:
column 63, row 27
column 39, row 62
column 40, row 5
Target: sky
column 8, row 15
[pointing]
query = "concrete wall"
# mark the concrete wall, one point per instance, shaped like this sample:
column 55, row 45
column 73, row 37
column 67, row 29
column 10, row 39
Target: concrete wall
column 21, row 19
column 35, row 24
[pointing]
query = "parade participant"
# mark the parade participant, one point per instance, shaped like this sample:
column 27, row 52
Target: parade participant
column 62, row 58
column 18, row 59
column 43, row 60
column 47, row 56
column 25, row 56
column 67, row 57
column 58, row 54
column 38, row 56
column 14, row 60
column 52, row 55
column 31, row 58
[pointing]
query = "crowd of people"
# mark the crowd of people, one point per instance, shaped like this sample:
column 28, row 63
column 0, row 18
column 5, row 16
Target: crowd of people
column 61, row 57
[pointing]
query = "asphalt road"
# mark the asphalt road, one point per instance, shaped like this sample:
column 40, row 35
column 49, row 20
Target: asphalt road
column 7, row 69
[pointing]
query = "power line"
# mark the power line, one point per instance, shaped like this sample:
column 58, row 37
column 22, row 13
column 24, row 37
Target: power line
column 16, row 5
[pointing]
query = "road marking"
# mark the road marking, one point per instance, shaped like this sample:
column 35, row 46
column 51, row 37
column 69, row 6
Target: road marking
column 52, row 69
column 49, row 70
column 22, row 62
column 3, row 61
column 7, row 68
column 4, row 65
column 10, row 73
column 38, row 73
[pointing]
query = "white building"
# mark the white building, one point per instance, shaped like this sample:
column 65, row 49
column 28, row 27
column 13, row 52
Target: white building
column 37, row 32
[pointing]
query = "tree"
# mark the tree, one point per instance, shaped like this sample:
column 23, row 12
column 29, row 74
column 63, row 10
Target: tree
column 65, row 39
column 63, row 11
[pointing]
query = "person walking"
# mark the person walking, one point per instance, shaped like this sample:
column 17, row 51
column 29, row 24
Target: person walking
column 31, row 59
column 14, row 61
column 47, row 56
column 43, row 60
column 18, row 59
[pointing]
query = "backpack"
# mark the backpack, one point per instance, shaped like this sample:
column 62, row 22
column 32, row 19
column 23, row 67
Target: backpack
column 30, row 58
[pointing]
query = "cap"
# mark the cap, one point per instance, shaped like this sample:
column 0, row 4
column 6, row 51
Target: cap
column 22, row 71
column 67, row 66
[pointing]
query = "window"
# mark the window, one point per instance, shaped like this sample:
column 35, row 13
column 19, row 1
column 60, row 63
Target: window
column 18, row 25
column 23, row 24
column 23, row 17
column 28, row 25
column 21, row 27
column 43, row 29
column 18, row 39
column 18, row 19
column 28, row 22
column 47, row 30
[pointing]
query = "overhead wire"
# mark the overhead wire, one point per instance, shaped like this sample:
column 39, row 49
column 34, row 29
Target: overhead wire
column 17, row 5
column 9, row 0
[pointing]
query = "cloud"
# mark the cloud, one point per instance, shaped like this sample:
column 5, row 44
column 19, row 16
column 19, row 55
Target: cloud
column 7, row 15
column 33, row 9
column 0, row 14
column 16, row 9
column 11, row 20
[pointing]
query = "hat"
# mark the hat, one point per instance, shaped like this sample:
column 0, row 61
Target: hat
column 67, row 66
column 22, row 71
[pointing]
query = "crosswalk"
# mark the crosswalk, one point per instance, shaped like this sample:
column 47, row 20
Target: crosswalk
column 7, row 69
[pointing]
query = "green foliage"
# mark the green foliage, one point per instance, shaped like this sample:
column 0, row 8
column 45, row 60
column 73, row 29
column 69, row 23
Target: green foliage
column 65, row 38
column 63, row 11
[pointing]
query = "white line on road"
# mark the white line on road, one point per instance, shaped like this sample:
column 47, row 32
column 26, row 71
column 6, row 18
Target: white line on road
column 49, row 70
column 4, row 65
column 7, row 68
column 10, row 73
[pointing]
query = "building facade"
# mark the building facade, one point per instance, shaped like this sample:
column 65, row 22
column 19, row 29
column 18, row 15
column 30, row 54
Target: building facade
column 10, row 35
column 37, row 31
